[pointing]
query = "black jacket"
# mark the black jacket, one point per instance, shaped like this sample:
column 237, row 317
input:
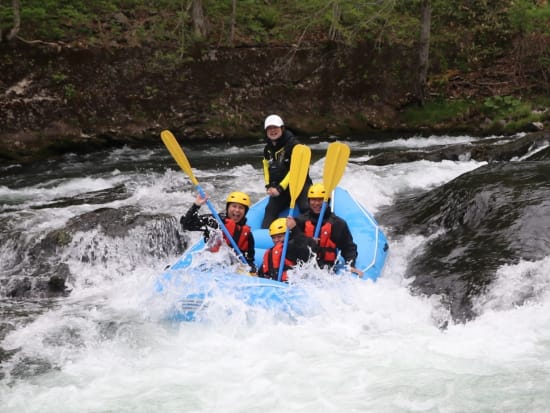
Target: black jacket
column 300, row 249
column 340, row 234
column 278, row 159
column 192, row 221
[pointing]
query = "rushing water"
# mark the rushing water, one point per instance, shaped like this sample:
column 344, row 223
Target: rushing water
column 373, row 347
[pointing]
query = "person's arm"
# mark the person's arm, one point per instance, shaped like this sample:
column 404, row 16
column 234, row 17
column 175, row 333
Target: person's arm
column 300, row 247
column 250, row 255
column 346, row 245
column 283, row 185
column 344, row 241
column 261, row 272
column 265, row 164
column 192, row 221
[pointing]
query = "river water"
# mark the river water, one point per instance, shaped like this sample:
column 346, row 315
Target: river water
column 373, row 347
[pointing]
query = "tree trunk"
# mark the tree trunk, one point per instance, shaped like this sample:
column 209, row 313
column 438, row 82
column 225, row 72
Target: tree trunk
column 424, row 50
column 16, row 21
column 334, row 31
column 197, row 17
column 233, row 22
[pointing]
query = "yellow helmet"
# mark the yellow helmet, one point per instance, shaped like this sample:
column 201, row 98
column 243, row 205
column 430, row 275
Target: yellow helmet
column 239, row 198
column 316, row 191
column 277, row 227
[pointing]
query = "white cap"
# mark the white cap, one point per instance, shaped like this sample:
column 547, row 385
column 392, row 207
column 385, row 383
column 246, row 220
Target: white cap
column 273, row 120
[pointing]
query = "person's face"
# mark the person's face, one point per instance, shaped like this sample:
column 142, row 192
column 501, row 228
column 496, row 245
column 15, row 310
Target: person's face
column 236, row 211
column 274, row 132
column 278, row 238
column 315, row 204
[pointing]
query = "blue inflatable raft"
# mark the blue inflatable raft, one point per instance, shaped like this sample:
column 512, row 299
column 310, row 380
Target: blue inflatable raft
column 194, row 280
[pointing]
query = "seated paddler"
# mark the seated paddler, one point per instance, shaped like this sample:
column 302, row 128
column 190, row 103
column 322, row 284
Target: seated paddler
column 300, row 249
column 234, row 219
column 334, row 237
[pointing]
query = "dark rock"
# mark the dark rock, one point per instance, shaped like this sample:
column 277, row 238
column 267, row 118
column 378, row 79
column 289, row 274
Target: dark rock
column 480, row 221
column 484, row 150
column 45, row 271
column 19, row 287
column 56, row 284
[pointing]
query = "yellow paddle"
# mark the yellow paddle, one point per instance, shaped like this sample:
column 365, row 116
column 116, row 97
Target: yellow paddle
column 335, row 165
column 299, row 167
column 177, row 153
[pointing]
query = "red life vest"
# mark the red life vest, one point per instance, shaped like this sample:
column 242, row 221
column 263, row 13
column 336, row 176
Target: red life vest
column 272, row 261
column 239, row 233
column 327, row 248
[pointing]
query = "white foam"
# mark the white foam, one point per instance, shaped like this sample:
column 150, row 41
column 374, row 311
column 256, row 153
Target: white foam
column 368, row 346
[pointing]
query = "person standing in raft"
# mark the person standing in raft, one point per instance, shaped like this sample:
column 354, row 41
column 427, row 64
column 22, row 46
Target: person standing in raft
column 334, row 236
column 276, row 164
column 300, row 249
column 234, row 219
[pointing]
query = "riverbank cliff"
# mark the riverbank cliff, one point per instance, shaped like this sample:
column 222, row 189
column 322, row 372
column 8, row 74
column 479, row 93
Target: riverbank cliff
column 57, row 99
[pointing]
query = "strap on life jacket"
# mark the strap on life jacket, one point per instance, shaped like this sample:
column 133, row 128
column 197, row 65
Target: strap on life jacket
column 239, row 233
column 327, row 248
column 272, row 261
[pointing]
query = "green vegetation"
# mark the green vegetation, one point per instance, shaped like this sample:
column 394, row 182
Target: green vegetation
column 476, row 27
column 503, row 105
column 436, row 112
column 463, row 33
column 510, row 111
column 466, row 35
column 513, row 112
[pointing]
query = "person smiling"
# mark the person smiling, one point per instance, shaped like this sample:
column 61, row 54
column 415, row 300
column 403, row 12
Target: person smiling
column 234, row 219
column 335, row 235
column 276, row 166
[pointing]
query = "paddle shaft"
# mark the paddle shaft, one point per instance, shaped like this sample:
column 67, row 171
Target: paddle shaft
column 181, row 159
column 320, row 220
column 299, row 166
column 222, row 225
column 285, row 248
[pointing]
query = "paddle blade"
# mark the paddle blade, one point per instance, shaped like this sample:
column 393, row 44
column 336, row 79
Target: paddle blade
column 177, row 153
column 299, row 167
column 335, row 165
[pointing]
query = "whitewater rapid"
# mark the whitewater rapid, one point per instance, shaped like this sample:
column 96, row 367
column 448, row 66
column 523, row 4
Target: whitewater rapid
column 370, row 346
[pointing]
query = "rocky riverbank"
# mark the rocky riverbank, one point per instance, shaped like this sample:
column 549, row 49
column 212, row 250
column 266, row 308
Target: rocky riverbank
column 59, row 99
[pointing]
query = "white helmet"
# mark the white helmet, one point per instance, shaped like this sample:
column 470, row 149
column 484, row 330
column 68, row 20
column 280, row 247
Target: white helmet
column 273, row 120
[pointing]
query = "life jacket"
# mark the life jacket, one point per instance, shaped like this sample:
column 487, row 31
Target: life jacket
column 272, row 261
column 239, row 233
column 327, row 248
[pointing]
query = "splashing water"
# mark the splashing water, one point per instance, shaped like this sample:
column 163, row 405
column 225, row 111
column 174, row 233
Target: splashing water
column 368, row 346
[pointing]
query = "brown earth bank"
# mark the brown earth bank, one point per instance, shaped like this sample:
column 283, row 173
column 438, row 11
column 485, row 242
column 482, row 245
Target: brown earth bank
column 59, row 99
